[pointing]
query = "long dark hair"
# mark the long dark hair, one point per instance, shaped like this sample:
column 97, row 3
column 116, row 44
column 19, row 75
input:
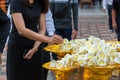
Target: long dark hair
column 44, row 4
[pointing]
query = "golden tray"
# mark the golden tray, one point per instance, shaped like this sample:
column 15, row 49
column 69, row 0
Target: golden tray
column 60, row 74
column 46, row 65
column 100, row 73
column 56, row 49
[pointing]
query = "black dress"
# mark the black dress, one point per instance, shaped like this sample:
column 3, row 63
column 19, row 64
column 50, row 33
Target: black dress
column 19, row 68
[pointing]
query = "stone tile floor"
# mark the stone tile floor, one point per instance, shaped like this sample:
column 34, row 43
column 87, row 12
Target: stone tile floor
column 3, row 68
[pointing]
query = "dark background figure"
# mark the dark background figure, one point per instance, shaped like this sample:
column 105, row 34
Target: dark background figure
column 4, row 30
column 93, row 2
column 107, row 4
column 64, row 12
column 63, row 22
column 116, row 17
column 100, row 2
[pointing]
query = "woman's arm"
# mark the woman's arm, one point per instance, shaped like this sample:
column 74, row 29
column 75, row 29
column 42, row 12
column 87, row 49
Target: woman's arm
column 75, row 18
column 22, row 30
column 42, row 29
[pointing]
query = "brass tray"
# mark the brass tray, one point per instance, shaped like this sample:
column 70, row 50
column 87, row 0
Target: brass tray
column 100, row 73
column 56, row 49
column 46, row 65
column 60, row 74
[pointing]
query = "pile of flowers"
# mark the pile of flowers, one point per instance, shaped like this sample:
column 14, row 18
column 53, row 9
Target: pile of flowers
column 88, row 52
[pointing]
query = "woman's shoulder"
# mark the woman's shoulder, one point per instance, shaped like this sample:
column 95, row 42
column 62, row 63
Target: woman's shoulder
column 17, row 3
column 15, row 6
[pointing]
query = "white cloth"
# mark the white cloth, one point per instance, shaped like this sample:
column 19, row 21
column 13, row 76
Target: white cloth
column 106, row 2
column 49, row 23
column 50, row 75
column 8, row 14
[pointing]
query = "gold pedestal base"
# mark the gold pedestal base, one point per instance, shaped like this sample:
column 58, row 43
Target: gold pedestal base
column 86, row 74
column 100, row 73
column 116, row 72
column 60, row 74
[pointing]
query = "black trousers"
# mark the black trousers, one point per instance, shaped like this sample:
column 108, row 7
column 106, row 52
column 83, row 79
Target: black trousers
column 65, row 33
column 110, row 16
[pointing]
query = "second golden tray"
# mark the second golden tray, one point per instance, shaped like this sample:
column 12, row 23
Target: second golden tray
column 46, row 65
column 56, row 49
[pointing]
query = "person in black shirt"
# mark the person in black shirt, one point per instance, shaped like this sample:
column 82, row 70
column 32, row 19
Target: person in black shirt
column 4, row 31
column 64, row 12
column 116, row 17
column 25, row 35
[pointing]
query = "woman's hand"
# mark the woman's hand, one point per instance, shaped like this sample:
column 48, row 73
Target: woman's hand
column 30, row 53
column 74, row 34
column 114, row 25
column 56, row 39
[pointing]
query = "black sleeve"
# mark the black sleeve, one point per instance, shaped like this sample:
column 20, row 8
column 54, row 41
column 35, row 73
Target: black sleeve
column 15, row 6
column 75, row 15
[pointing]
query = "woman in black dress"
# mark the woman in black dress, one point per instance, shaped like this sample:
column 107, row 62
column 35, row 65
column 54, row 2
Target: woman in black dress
column 25, row 35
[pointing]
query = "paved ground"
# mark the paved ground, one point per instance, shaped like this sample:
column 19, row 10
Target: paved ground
column 94, row 22
column 91, row 22
column 3, row 68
